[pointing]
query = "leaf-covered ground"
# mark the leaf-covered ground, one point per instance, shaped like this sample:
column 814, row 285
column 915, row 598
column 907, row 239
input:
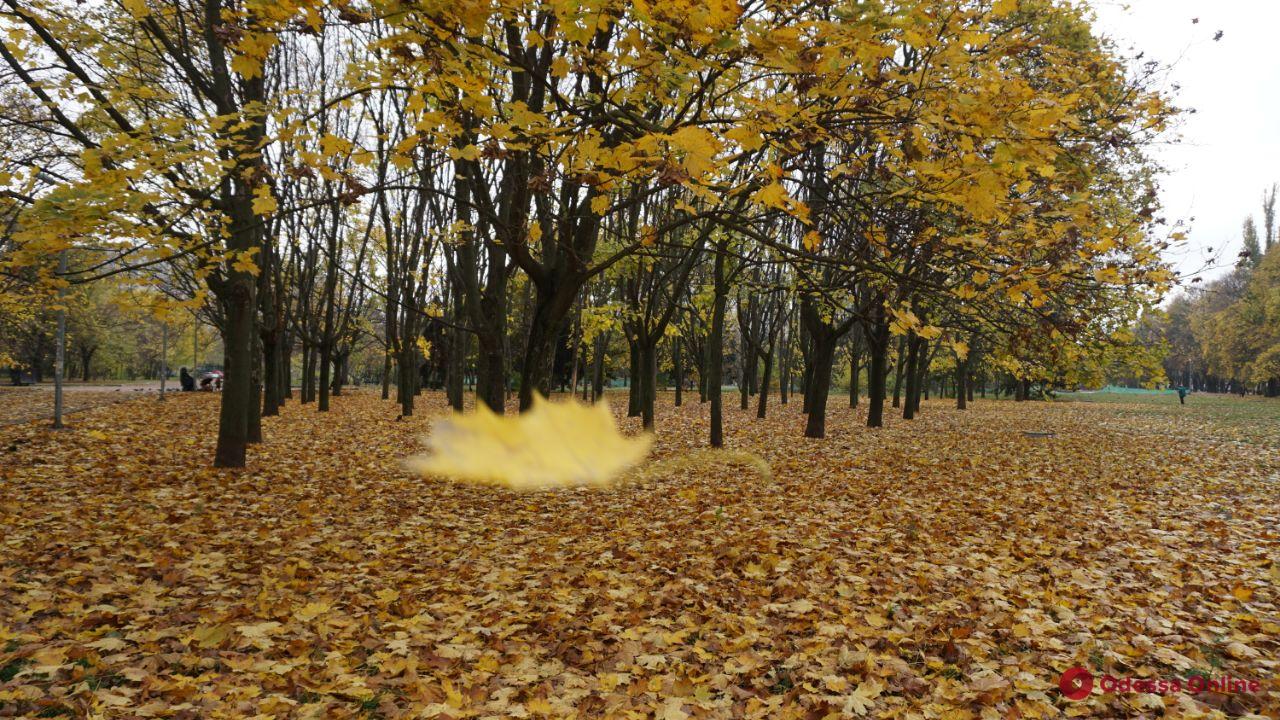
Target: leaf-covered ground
column 951, row 567
column 35, row 402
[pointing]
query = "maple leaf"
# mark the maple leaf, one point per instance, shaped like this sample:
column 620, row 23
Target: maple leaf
column 264, row 203
column 859, row 702
column 552, row 445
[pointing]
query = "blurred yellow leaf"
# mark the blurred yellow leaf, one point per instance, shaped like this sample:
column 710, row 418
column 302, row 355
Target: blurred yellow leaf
column 552, row 445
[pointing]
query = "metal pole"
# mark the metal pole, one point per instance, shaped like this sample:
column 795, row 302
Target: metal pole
column 60, row 358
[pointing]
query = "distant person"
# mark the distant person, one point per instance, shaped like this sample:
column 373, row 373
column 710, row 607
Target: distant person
column 188, row 382
column 1182, row 394
column 15, row 376
column 206, row 384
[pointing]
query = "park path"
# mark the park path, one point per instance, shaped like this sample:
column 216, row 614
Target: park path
column 20, row 405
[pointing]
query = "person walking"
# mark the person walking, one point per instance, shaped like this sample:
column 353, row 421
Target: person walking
column 1182, row 394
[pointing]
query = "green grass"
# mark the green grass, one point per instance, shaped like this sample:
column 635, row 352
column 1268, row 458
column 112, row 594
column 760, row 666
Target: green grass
column 1251, row 419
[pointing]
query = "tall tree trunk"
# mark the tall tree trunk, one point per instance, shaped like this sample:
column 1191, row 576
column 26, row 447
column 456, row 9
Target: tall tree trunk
column 286, row 367
column 703, row 369
column 458, row 341
column 855, row 363
column 597, row 370
column 339, row 371
column 633, row 379
column 86, row 359
column 491, row 372
column 763, row 401
column 408, row 361
column 784, row 376
column 327, row 333
column 648, row 353
column 924, row 358
column 550, row 309
column 254, row 422
column 233, row 416
column 715, row 347
column 913, row 359
column 897, row 372
column 678, row 370
column 878, row 366
column 822, row 358
column 269, row 334
column 823, row 338
column 806, row 371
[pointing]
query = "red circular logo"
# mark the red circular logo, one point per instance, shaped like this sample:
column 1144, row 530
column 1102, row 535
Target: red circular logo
column 1076, row 683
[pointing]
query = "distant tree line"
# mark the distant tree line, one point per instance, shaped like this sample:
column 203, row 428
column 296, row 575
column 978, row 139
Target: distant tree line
column 1224, row 336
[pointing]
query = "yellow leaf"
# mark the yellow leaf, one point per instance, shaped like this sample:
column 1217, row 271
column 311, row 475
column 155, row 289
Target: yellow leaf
column 699, row 147
column 552, row 445
column 1000, row 8
column 312, row 610
column 210, row 636
column 137, row 8
column 773, row 195
column 246, row 67
column 243, row 262
column 746, row 138
column 861, row 700
column 332, row 145
column 1240, row 651
column 539, row 705
column 264, row 203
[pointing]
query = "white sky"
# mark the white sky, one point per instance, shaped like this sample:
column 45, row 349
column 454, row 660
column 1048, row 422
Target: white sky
column 1230, row 147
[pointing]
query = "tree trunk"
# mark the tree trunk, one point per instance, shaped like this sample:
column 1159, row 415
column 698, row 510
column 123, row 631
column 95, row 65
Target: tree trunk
column 823, row 338
column 913, row 378
column 550, row 309
column 633, row 379
column 86, row 359
column 877, row 367
column 822, row 357
column 326, row 338
column 855, row 362
column 254, row 423
column 339, row 372
column 271, row 397
column 286, row 367
column 715, row 348
column 763, row 401
column 923, row 360
column 678, row 370
column 648, row 354
column 233, row 416
column 897, row 372
column 597, row 370
column 784, row 378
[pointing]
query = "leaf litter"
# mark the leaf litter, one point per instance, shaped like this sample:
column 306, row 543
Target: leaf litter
column 949, row 567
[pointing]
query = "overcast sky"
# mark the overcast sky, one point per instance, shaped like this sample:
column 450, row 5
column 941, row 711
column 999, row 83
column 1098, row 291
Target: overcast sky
column 1230, row 149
